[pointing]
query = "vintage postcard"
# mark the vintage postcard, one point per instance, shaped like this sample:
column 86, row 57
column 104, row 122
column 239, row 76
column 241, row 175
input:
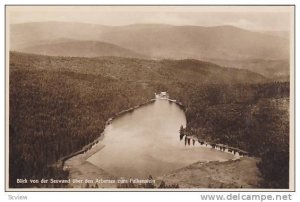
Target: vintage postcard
column 156, row 98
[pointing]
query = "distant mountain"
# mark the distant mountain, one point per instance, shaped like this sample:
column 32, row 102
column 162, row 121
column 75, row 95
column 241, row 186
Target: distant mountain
column 75, row 48
column 274, row 69
column 263, row 53
column 197, row 42
column 159, row 40
column 29, row 34
column 283, row 34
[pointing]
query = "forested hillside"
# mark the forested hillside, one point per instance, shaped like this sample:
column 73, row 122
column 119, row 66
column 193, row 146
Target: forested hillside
column 59, row 104
column 251, row 117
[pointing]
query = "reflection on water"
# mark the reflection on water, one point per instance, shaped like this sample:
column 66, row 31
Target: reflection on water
column 146, row 141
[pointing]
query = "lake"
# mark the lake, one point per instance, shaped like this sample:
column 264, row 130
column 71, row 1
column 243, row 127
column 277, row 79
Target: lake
column 146, row 142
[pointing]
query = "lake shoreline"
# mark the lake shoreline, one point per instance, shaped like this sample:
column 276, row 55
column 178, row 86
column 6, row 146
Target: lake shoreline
column 87, row 147
column 78, row 167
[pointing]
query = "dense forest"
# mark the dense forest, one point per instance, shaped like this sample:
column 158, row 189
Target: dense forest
column 53, row 114
column 59, row 104
column 252, row 117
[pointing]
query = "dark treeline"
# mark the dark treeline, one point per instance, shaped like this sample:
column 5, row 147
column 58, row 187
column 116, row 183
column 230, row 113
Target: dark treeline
column 253, row 117
column 53, row 114
column 58, row 105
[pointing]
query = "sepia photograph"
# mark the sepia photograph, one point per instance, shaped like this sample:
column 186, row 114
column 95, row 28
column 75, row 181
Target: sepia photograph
column 149, row 98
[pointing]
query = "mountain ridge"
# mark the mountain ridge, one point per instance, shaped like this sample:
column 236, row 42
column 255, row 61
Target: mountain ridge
column 225, row 45
column 74, row 48
column 160, row 40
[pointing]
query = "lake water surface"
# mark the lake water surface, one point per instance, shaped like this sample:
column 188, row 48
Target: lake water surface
column 146, row 141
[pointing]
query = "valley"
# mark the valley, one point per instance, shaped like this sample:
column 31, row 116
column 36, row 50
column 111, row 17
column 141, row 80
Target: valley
column 60, row 104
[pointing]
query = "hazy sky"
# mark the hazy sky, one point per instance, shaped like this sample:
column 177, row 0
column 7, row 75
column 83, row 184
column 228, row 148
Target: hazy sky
column 272, row 18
